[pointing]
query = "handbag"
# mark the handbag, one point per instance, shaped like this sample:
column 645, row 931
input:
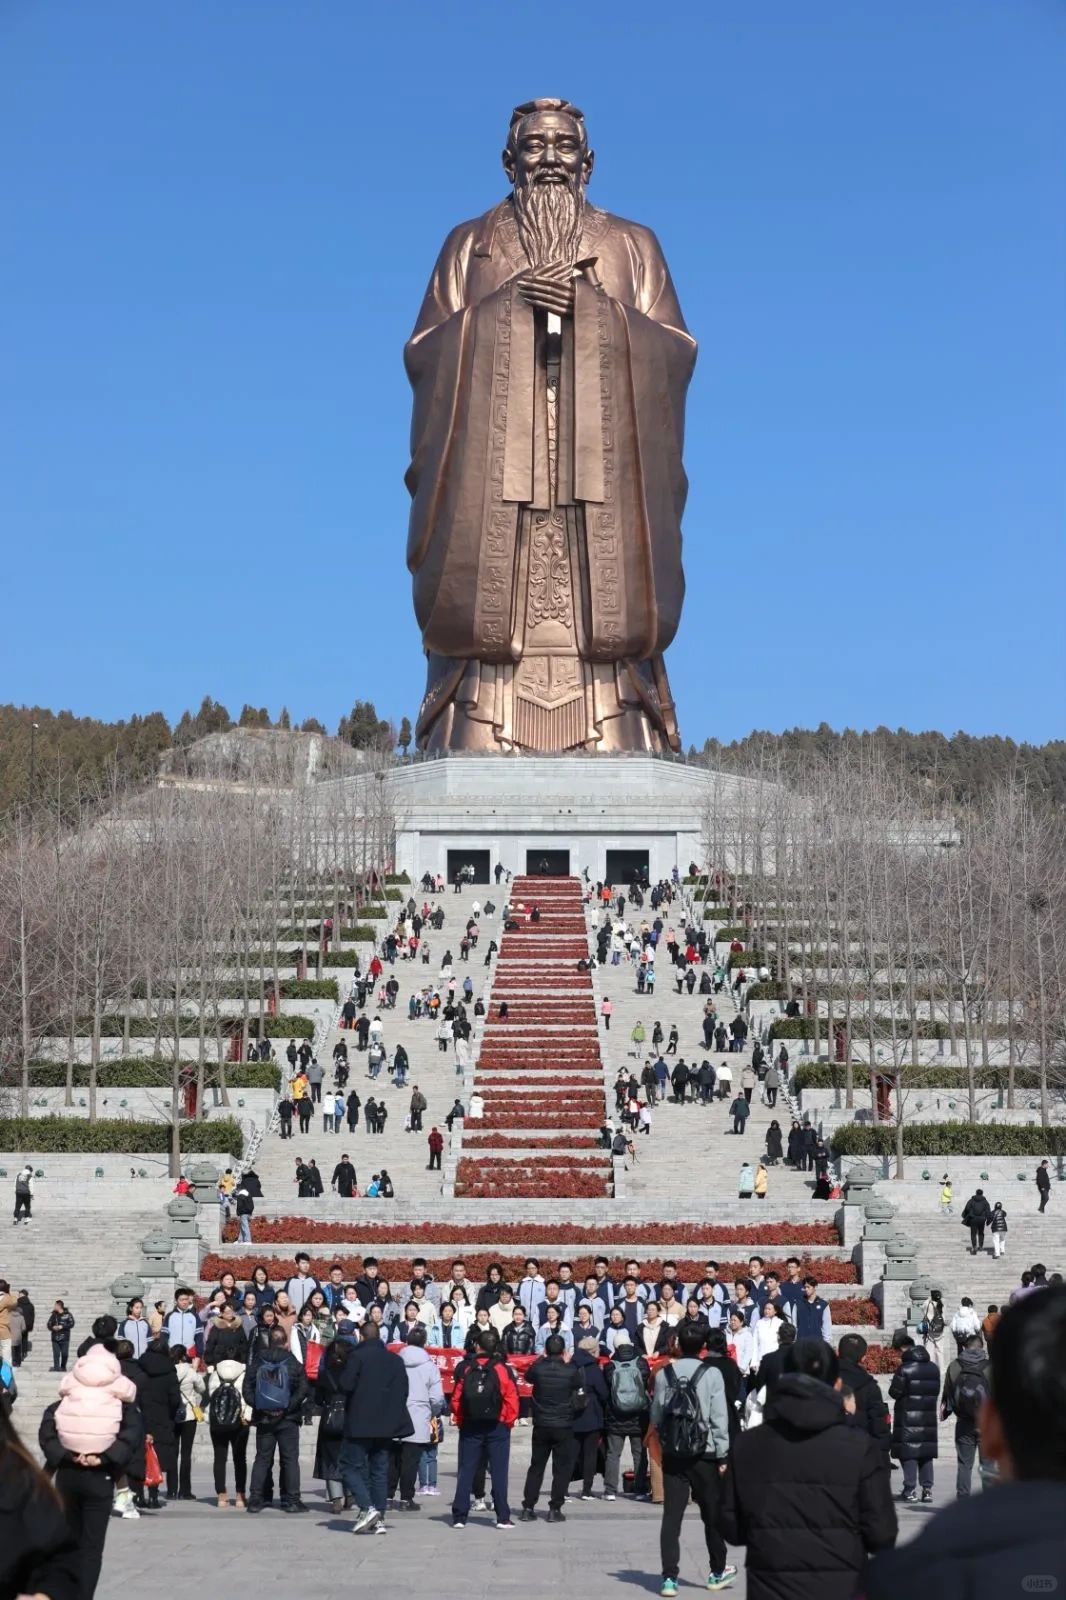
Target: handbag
column 153, row 1472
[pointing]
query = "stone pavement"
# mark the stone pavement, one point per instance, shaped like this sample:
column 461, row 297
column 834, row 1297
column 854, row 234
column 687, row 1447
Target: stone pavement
column 602, row 1550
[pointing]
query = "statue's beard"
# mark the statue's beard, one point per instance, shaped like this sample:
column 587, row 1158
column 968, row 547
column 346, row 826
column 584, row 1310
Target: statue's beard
column 549, row 219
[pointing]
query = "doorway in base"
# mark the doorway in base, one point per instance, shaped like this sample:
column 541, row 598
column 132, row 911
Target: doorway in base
column 627, row 866
column 548, row 863
column 460, row 859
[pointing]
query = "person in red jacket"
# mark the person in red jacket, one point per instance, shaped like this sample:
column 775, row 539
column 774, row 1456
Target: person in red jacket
column 436, row 1146
column 485, row 1409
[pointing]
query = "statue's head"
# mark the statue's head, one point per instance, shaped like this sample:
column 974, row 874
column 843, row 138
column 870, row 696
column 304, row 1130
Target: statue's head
column 548, row 160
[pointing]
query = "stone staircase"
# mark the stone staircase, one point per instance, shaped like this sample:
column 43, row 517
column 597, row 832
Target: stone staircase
column 405, row 1155
column 71, row 1254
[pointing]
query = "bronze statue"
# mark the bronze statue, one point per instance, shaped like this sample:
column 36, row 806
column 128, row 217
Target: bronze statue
column 549, row 364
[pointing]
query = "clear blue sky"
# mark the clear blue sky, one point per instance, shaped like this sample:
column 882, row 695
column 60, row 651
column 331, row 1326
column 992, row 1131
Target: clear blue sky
column 219, row 217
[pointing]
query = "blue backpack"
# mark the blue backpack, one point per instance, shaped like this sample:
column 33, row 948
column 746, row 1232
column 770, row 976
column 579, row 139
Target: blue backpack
column 273, row 1386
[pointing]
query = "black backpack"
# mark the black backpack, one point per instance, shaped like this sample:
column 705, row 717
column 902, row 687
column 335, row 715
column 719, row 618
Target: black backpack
column 482, row 1395
column 682, row 1428
column 971, row 1391
column 224, row 1413
column 333, row 1417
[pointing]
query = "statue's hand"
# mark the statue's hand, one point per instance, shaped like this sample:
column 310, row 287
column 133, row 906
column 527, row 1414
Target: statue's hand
column 549, row 289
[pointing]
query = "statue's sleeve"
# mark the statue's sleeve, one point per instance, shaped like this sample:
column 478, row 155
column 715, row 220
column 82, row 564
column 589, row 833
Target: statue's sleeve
column 633, row 360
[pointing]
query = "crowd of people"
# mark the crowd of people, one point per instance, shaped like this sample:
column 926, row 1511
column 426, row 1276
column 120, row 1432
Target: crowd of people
column 783, row 1441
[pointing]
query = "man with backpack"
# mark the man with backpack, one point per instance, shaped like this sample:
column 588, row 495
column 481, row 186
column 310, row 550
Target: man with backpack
column 485, row 1409
column 688, row 1410
column 275, row 1387
column 967, row 1385
column 625, row 1416
column 24, row 1194
column 558, row 1396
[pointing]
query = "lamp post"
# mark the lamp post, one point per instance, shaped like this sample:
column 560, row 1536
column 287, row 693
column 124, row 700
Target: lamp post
column 33, row 757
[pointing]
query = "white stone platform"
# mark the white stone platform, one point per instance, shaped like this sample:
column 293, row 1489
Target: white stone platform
column 511, row 806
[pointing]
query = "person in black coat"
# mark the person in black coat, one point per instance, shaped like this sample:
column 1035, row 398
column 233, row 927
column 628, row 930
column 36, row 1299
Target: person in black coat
column 773, row 1364
column 871, row 1412
column 160, row 1402
column 375, row 1381
column 330, row 1398
column 39, row 1551
column 915, row 1388
column 86, row 1487
column 976, row 1215
column 226, row 1340
column 589, row 1422
column 622, row 1425
column 557, row 1397
column 276, row 1430
column 732, row 1377
column 806, row 1492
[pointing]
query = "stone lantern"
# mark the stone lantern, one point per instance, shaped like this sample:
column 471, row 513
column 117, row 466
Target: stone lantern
column 878, row 1216
column 901, row 1257
column 861, row 1179
column 919, row 1292
column 123, row 1289
column 203, row 1177
column 155, row 1248
column 182, row 1214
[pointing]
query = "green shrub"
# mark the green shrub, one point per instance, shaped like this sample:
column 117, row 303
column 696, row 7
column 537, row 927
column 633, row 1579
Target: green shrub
column 825, row 1075
column 394, row 894
column 340, row 958
column 746, row 958
column 733, row 931
column 397, row 877
column 282, row 1027
column 372, row 911
column 76, row 1135
column 309, row 989
column 766, row 991
column 949, row 1139
column 150, row 1072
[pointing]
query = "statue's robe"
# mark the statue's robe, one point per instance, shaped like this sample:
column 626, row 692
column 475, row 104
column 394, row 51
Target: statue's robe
column 547, row 491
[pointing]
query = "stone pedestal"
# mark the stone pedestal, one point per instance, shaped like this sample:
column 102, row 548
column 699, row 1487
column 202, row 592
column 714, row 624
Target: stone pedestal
column 575, row 809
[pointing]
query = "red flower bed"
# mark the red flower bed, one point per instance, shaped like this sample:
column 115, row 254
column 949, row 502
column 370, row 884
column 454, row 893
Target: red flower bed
column 863, row 1312
column 533, row 1141
column 669, row 1236
column 531, row 1082
column 498, row 1122
column 564, row 1186
column 881, row 1358
column 469, row 1168
column 477, row 1266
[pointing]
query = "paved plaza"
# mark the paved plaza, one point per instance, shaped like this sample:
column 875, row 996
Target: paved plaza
column 602, row 1549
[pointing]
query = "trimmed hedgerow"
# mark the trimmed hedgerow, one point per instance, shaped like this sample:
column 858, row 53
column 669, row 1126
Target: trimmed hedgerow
column 149, row 1072
column 76, row 1135
column 950, row 1139
column 823, row 1075
column 309, row 989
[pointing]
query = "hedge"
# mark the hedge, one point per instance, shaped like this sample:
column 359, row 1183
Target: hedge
column 746, row 958
column 803, row 1028
column 373, row 911
column 339, row 958
column 735, row 931
column 397, row 877
column 282, row 1027
column 150, row 1072
column 394, row 894
column 358, row 933
column 949, row 1139
column 766, row 991
column 822, row 1075
column 309, row 989
column 111, row 1135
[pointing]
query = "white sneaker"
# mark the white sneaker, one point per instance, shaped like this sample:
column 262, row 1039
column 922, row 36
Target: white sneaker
column 366, row 1520
column 610, row 1497
column 479, row 1505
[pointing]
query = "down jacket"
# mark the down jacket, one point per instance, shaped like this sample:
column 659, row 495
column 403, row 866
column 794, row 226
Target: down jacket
column 916, row 1390
column 808, row 1494
column 425, row 1392
column 89, row 1414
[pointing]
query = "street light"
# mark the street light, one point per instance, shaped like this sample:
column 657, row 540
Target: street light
column 33, row 756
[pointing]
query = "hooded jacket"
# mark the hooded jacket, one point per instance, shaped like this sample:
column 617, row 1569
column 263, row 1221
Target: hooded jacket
column 915, row 1388
column 160, row 1398
column 425, row 1392
column 975, row 1361
column 871, row 1412
column 808, row 1495
column 92, row 1394
column 981, row 1548
column 557, row 1387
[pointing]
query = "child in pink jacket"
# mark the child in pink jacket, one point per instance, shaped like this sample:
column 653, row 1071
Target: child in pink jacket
column 89, row 1413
